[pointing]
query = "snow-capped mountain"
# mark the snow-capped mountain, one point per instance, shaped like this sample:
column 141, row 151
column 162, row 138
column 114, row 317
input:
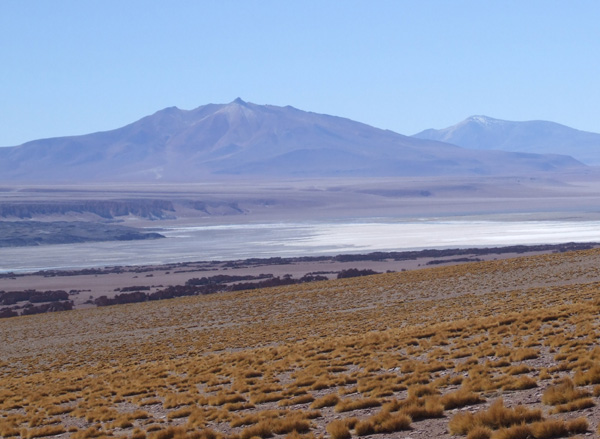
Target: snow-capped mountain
column 539, row 137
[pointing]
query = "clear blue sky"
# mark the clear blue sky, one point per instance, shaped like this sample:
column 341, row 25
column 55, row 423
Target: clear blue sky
column 74, row 67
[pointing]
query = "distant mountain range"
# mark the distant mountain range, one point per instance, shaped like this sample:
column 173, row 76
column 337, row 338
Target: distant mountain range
column 539, row 137
column 248, row 140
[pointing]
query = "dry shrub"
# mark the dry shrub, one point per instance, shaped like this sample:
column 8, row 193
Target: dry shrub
column 287, row 425
column 138, row 434
column 153, row 427
column 480, row 433
column 591, row 376
column 573, row 406
column 323, row 383
column 456, row 380
column 422, row 408
column 460, row 398
column 123, row 423
column 234, row 407
column 302, row 399
column 578, row 425
column 513, row 432
column 349, row 405
column 88, row 433
column 262, row 429
column 499, row 363
column 170, row 433
column 175, row 400
column 521, row 383
column 47, row 430
column 251, row 418
column 325, row 401
column 518, row 370
column 497, row 416
column 523, row 354
column 462, row 423
column 420, row 390
column 183, row 412
column 550, row 428
column 296, row 435
column 58, row 410
column 260, row 398
column 8, row 431
column 563, row 393
column 383, row 422
column 338, row 430
column 151, row 401
column 226, row 399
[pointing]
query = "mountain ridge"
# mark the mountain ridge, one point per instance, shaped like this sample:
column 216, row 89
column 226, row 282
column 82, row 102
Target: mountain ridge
column 534, row 136
column 247, row 140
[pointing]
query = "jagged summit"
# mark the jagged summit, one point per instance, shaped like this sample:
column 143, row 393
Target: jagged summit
column 242, row 139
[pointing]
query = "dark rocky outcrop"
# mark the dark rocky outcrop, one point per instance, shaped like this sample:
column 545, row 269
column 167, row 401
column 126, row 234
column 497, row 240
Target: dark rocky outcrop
column 31, row 233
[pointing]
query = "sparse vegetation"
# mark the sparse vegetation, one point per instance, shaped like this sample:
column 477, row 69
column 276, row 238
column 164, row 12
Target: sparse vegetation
column 343, row 358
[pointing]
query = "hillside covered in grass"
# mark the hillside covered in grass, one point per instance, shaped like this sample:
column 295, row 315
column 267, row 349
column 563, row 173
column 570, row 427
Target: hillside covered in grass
column 500, row 349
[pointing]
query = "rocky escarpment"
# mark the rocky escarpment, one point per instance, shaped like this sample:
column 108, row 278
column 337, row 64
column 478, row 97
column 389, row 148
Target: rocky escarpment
column 107, row 209
column 153, row 209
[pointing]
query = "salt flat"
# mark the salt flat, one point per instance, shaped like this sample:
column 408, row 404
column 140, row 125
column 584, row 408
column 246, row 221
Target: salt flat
column 285, row 239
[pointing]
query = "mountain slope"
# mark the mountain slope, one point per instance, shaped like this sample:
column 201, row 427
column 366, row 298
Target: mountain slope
column 539, row 137
column 245, row 139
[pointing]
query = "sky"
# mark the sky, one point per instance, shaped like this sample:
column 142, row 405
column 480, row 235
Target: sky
column 76, row 67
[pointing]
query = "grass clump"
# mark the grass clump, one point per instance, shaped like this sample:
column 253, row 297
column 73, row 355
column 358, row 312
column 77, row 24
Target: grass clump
column 302, row 399
column 496, row 417
column 338, row 430
column 523, row 354
column 383, row 422
column 325, row 401
column 47, row 430
column 460, row 398
column 356, row 404
column 565, row 397
column 262, row 430
column 591, row 376
column 480, row 432
column 422, row 408
column 578, row 425
column 563, row 393
column 573, row 406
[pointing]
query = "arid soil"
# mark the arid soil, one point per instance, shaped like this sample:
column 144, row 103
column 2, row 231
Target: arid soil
column 84, row 286
column 404, row 354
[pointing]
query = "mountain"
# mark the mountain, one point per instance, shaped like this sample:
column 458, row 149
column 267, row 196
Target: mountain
column 247, row 140
column 539, row 137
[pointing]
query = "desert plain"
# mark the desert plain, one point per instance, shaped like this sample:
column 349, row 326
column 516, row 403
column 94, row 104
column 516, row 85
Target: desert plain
column 484, row 348
column 496, row 346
